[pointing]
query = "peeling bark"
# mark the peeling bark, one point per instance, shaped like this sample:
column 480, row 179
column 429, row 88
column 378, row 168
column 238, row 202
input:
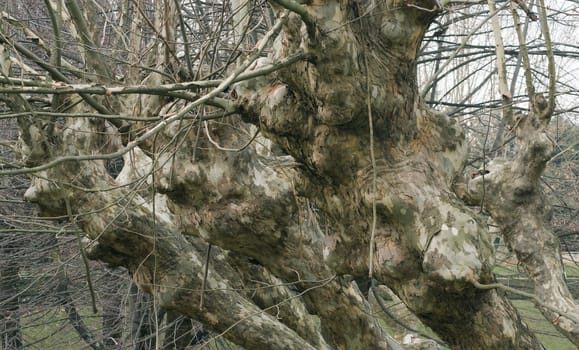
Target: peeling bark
column 511, row 192
column 300, row 223
column 429, row 248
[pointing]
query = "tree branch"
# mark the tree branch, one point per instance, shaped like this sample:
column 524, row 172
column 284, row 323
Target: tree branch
column 548, row 110
column 94, row 59
column 55, row 73
column 35, row 86
column 302, row 11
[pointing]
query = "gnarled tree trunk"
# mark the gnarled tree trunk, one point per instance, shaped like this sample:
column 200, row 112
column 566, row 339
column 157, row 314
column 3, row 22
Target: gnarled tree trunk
column 364, row 186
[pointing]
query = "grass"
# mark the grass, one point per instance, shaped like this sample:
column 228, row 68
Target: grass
column 572, row 270
column 547, row 334
column 506, row 270
column 50, row 329
column 543, row 329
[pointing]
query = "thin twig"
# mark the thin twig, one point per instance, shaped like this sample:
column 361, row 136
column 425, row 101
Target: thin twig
column 397, row 321
column 205, row 274
column 475, row 30
column 302, row 11
column 38, row 87
column 221, row 148
column 322, row 284
column 84, row 258
column 373, row 160
column 524, row 54
column 164, row 123
column 501, row 286
column 54, row 73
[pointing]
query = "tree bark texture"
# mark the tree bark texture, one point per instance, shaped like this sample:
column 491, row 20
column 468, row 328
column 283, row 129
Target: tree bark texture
column 511, row 192
column 288, row 232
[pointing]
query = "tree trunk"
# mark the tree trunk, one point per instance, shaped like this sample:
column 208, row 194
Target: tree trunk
column 428, row 247
column 511, row 192
column 364, row 188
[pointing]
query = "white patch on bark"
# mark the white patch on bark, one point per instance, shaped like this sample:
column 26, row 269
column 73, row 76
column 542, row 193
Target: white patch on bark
column 277, row 97
column 196, row 262
column 162, row 211
column 262, row 144
column 508, row 328
column 420, row 200
column 453, row 253
column 260, row 177
column 31, row 194
column 449, row 258
column 250, row 86
column 326, row 252
column 42, row 189
column 137, row 165
column 217, row 171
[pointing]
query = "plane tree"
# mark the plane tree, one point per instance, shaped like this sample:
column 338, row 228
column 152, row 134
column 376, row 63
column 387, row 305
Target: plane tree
column 273, row 154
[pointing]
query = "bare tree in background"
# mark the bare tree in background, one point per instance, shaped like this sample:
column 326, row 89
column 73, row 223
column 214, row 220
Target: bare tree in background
column 248, row 162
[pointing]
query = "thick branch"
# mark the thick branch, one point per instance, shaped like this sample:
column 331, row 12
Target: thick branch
column 94, row 58
column 429, row 249
column 514, row 198
column 166, row 264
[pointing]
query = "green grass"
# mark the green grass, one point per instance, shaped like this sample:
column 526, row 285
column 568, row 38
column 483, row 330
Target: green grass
column 572, row 270
column 544, row 330
column 50, row 329
column 547, row 334
column 506, row 270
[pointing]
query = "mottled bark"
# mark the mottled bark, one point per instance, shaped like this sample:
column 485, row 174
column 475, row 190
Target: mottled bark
column 512, row 194
column 299, row 223
column 163, row 261
column 429, row 248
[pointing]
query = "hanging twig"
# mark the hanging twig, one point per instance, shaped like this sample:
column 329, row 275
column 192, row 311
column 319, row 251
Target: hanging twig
column 373, row 160
column 205, row 274
column 84, row 258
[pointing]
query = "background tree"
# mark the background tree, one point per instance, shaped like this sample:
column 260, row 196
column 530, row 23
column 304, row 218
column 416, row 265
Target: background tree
column 269, row 153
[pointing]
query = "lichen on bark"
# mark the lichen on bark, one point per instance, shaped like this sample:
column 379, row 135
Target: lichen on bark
column 300, row 220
